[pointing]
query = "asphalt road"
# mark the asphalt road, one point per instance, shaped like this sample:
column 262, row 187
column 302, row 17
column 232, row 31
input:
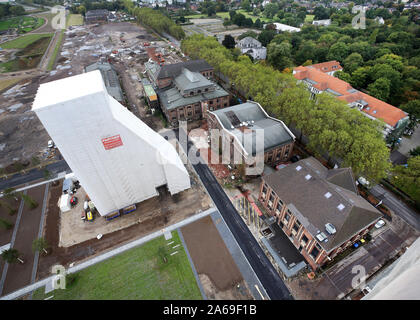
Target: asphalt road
column 400, row 208
column 268, row 276
column 259, row 262
column 34, row 174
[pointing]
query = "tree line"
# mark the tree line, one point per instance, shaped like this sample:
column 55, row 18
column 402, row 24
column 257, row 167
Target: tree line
column 381, row 60
column 331, row 126
column 155, row 19
column 7, row 10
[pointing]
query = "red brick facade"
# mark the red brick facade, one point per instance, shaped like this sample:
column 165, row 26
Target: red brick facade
column 307, row 245
column 271, row 157
column 195, row 111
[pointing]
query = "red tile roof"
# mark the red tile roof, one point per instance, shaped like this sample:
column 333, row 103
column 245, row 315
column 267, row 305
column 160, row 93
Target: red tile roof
column 375, row 107
column 327, row 66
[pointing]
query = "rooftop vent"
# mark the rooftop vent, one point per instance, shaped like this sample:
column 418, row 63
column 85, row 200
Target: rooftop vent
column 327, row 195
column 298, row 168
column 321, row 236
column 341, row 207
column 308, row 176
column 330, row 228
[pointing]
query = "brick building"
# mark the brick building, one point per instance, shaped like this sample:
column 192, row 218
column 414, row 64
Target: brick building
column 163, row 76
column 238, row 121
column 320, row 210
column 188, row 94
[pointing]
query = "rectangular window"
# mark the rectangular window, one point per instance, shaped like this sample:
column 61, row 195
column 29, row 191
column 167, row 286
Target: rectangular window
column 296, row 226
column 315, row 252
column 272, row 197
column 304, row 240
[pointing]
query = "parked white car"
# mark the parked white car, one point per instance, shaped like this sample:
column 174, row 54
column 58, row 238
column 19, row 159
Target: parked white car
column 379, row 224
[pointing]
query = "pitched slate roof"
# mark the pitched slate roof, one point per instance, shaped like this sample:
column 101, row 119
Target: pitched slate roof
column 175, row 69
column 249, row 42
column 171, row 98
column 275, row 131
column 327, row 66
column 305, row 192
column 110, row 78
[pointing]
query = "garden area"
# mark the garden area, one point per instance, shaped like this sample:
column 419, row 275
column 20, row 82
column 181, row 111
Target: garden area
column 157, row 270
column 21, row 24
column 32, row 48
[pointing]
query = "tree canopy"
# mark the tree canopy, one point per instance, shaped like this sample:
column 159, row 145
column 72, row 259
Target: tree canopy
column 331, row 126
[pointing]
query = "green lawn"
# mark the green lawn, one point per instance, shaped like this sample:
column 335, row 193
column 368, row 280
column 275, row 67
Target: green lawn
column 139, row 273
column 74, row 20
column 25, row 23
column 9, row 82
column 224, row 15
column 197, row 16
column 309, row 18
column 23, row 41
column 55, row 53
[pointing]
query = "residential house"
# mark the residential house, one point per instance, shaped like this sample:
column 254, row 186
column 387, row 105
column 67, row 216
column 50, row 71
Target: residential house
column 95, row 16
column 325, row 22
column 319, row 209
column 240, row 122
column 252, row 47
column 318, row 82
column 329, row 67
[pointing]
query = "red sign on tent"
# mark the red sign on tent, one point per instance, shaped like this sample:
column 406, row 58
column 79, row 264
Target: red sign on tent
column 112, row 142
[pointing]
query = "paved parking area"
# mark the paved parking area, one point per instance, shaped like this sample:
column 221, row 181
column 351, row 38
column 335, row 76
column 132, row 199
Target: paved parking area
column 410, row 143
column 336, row 282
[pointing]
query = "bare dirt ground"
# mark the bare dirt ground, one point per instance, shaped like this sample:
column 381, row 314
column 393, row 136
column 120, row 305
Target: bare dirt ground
column 22, row 136
column 215, row 266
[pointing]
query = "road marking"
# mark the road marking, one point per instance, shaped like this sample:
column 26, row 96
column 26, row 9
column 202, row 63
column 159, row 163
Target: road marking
column 258, row 289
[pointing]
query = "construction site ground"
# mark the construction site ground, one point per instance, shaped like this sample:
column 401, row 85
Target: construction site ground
column 217, row 271
column 214, row 27
column 170, row 209
column 22, row 136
